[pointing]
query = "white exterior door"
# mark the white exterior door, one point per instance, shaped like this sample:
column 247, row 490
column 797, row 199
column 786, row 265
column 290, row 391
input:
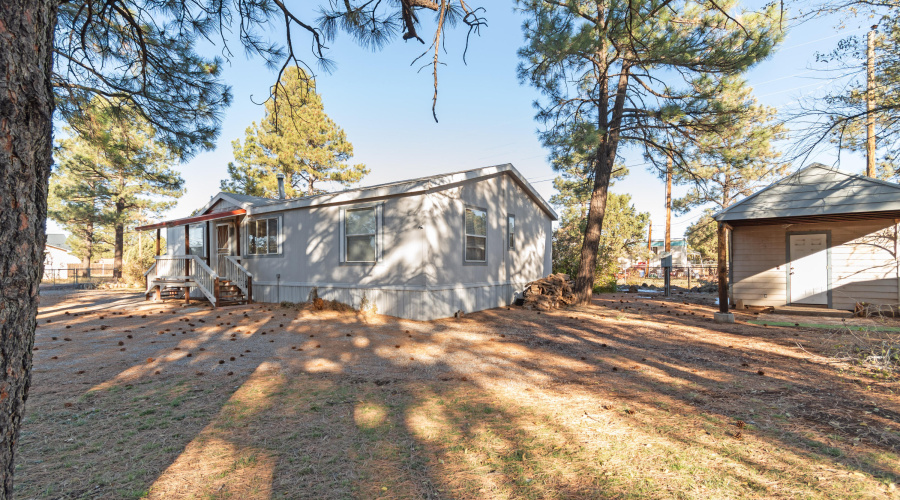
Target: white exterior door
column 808, row 272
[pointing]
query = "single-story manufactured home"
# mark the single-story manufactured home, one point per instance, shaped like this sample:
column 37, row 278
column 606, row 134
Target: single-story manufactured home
column 419, row 249
column 819, row 237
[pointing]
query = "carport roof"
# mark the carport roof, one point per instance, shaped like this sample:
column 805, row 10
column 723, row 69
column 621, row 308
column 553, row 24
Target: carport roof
column 817, row 192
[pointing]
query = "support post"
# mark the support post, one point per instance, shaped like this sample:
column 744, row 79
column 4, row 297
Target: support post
column 668, row 203
column 157, row 241
column 249, row 289
column 187, row 295
column 206, row 243
column 722, row 266
column 723, row 316
column 216, row 291
column 158, row 292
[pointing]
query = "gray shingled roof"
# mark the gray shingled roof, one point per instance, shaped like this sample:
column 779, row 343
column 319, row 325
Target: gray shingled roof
column 816, row 190
column 256, row 205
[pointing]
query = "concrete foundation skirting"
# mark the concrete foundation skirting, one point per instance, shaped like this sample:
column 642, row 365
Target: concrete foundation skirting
column 416, row 304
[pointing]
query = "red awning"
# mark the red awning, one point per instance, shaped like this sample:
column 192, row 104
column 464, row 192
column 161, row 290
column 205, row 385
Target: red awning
column 191, row 220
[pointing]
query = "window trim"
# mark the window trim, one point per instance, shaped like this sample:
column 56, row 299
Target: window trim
column 347, row 235
column 379, row 234
column 511, row 232
column 199, row 227
column 278, row 239
column 466, row 236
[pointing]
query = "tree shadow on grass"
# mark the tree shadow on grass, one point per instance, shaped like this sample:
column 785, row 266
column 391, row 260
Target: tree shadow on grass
column 585, row 403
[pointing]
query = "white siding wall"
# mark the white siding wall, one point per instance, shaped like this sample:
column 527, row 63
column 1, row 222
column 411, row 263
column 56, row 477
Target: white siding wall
column 863, row 265
column 422, row 274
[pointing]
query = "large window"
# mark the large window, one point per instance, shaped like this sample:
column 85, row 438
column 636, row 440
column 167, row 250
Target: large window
column 197, row 239
column 476, row 235
column 262, row 236
column 511, row 231
column 360, row 231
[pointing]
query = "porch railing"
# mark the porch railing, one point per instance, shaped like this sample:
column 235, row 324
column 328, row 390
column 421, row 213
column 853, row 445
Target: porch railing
column 205, row 278
column 238, row 274
column 147, row 274
column 184, row 267
column 173, row 266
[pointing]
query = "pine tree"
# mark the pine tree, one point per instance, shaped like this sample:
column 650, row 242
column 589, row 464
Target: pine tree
column 296, row 138
column 623, row 228
column 75, row 203
column 731, row 161
column 613, row 73
column 115, row 158
column 701, row 235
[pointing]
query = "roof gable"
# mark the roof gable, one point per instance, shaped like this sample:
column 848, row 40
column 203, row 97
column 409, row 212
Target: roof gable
column 816, row 190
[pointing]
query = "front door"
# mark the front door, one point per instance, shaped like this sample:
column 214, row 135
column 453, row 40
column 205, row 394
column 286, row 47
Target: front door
column 224, row 244
column 808, row 272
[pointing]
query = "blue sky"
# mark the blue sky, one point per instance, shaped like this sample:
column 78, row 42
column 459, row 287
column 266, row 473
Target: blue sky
column 486, row 115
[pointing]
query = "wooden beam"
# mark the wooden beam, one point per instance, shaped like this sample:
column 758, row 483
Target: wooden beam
column 192, row 220
column 157, row 241
column 237, row 237
column 722, row 266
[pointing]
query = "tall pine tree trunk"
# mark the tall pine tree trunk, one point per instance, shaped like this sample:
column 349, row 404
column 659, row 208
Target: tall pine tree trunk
column 26, row 113
column 119, row 245
column 88, row 249
column 584, row 280
column 604, row 161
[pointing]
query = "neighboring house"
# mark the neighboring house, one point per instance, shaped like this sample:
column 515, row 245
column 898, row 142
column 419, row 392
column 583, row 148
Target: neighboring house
column 58, row 257
column 419, row 249
column 819, row 237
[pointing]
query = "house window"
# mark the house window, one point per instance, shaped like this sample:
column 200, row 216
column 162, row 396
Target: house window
column 360, row 230
column 511, row 231
column 197, row 239
column 262, row 236
column 476, row 235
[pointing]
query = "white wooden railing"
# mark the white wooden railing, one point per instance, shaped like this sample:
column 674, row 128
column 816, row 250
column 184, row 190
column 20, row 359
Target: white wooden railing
column 184, row 267
column 205, row 278
column 173, row 266
column 147, row 273
column 238, row 274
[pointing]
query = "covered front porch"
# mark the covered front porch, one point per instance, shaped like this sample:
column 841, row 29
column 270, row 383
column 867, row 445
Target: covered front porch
column 191, row 269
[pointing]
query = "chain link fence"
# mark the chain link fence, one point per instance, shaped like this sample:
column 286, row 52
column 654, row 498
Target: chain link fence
column 701, row 278
column 77, row 276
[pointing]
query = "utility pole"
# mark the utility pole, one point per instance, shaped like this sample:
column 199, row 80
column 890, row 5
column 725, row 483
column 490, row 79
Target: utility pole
column 668, row 203
column 870, row 103
column 649, row 245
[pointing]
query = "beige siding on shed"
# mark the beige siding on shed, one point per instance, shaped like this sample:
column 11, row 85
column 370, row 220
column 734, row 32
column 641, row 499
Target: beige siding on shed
column 863, row 265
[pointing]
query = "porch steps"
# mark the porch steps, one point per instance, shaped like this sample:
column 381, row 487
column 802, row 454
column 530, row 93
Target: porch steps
column 229, row 294
column 171, row 292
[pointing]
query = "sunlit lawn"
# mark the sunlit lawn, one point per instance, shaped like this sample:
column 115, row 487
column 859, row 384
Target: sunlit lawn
column 587, row 403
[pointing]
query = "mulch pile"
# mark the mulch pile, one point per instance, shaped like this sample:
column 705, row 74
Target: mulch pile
column 552, row 292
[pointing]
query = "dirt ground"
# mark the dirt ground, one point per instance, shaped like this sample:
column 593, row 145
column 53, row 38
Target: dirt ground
column 631, row 397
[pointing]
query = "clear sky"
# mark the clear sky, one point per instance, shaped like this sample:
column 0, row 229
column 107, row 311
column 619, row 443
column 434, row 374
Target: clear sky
column 486, row 115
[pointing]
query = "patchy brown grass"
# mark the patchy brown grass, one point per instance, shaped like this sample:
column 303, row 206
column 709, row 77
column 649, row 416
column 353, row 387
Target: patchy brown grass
column 626, row 398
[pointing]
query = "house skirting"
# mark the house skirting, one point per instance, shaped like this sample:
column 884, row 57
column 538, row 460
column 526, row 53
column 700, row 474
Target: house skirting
column 420, row 303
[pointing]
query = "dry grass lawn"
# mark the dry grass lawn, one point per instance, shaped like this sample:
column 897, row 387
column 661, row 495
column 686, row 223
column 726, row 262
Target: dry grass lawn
column 628, row 398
